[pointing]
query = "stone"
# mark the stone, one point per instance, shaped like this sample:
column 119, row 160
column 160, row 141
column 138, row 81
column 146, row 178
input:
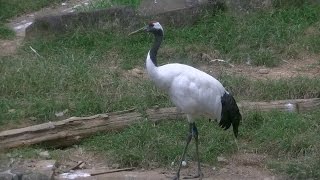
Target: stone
column 19, row 172
column 45, row 165
column 263, row 71
column 36, row 176
column 7, row 175
column 44, row 154
column 62, row 113
column 222, row 159
column 115, row 166
column 223, row 170
column 11, row 110
column 33, row 118
column 136, row 72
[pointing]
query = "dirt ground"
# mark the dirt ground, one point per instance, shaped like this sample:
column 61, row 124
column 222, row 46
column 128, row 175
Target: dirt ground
column 241, row 165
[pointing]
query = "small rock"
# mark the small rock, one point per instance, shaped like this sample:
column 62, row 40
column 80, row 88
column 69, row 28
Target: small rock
column 263, row 71
column 44, row 154
column 136, row 72
column 82, row 165
column 33, row 118
column 36, row 176
column 46, row 165
column 223, row 170
column 11, row 110
column 269, row 178
column 184, row 163
column 6, row 176
column 154, row 164
column 214, row 168
column 19, row 172
column 205, row 57
column 62, row 113
column 115, row 166
column 221, row 159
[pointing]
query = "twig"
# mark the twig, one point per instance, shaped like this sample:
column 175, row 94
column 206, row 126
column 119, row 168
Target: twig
column 122, row 112
column 112, row 171
column 221, row 60
column 76, row 166
column 35, row 51
column 285, row 61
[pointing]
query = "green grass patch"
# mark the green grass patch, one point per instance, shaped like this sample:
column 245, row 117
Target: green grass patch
column 143, row 143
column 260, row 38
column 13, row 8
column 5, row 32
column 264, row 90
column 290, row 138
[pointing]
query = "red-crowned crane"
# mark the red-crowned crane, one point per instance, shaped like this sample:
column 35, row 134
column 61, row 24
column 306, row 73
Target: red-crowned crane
column 194, row 92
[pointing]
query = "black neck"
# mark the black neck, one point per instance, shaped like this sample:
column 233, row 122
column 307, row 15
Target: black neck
column 156, row 44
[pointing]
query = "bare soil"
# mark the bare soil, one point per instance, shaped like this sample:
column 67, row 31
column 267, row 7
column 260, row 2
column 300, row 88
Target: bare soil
column 307, row 66
column 241, row 165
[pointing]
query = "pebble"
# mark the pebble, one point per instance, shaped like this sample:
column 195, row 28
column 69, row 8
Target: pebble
column 11, row 110
column 263, row 71
column 115, row 166
column 221, row 159
column 44, row 154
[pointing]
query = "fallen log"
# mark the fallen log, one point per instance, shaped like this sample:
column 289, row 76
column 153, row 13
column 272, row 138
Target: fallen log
column 66, row 132
column 291, row 105
column 72, row 130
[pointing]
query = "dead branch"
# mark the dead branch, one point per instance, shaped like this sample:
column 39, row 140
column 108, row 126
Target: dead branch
column 72, row 130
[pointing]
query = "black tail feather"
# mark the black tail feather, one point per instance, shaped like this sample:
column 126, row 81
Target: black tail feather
column 230, row 113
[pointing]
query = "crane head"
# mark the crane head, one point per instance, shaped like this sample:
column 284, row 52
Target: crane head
column 153, row 27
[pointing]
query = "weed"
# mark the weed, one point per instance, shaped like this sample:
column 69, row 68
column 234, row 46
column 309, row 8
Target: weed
column 5, row 32
column 13, row 8
column 143, row 143
column 292, row 138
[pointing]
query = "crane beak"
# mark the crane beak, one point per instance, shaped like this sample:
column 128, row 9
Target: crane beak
column 137, row 31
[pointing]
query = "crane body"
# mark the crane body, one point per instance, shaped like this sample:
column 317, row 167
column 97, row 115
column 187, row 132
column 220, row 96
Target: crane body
column 192, row 91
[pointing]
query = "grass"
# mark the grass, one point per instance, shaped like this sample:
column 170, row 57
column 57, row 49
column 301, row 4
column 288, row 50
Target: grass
column 13, row 8
column 290, row 137
column 5, row 32
column 260, row 38
column 86, row 72
column 144, row 143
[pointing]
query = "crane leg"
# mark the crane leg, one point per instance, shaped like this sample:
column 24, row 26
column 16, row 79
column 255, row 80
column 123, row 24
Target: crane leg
column 195, row 135
column 189, row 137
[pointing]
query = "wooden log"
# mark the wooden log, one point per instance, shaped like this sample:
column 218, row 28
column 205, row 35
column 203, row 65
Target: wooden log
column 70, row 131
column 291, row 105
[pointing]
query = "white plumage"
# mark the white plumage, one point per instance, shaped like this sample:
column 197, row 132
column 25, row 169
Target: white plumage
column 194, row 92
